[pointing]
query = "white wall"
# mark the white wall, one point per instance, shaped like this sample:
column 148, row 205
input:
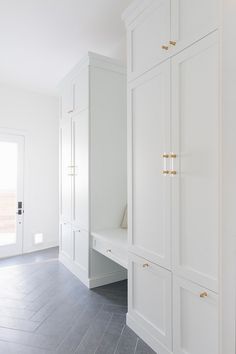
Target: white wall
column 37, row 116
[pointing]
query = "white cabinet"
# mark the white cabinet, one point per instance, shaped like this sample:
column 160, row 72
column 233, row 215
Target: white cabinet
column 195, row 315
column 67, row 101
column 81, row 89
column 81, row 248
column 150, row 301
column 150, row 193
column 195, row 140
column 174, row 174
column 146, row 35
column 92, row 166
column 191, row 20
column 66, row 245
column 65, row 169
column 158, row 29
column 80, row 152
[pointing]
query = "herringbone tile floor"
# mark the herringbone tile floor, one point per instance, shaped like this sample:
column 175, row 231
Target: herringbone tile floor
column 45, row 309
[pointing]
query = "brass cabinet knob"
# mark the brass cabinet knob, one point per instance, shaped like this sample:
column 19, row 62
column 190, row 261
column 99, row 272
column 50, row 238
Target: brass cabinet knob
column 173, row 156
column 165, row 47
column 173, row 172
column 145, row 265
column 172, row 43
column 165, row 172
column 204, row 294
column 165, row 156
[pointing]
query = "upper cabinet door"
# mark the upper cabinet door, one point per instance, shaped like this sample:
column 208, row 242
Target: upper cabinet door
column 81, row 90
column 195, row 139
column 146, row 36
column 191, row 20
column 81, row 169
column 149, row 121
column 66, row 169
column 67, row 100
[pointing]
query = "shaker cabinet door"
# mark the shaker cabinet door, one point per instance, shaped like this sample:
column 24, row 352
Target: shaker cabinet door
column 66, row 173
column 192, row 20
column 81, row 169
column 147, row 35
column 149, row 197
column 195, row 140
column 150, row 303
column 195, row 325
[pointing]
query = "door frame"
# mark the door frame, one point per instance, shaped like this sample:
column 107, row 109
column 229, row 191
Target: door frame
column 19, row 134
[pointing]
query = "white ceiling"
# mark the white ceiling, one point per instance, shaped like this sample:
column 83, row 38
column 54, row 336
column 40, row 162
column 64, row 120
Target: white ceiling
column 41, row 40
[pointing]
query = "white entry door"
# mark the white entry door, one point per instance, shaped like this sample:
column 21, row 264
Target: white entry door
column 11, row 194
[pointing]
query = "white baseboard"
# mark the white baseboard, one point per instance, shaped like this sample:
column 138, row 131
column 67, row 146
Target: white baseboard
column 145, row 336
column 82, row 274
column 107, row 279
column 40, row 247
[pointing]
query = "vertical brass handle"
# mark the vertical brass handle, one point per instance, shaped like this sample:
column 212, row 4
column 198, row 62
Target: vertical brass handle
column 173, row 156
column 165, row 157
column 172, row 43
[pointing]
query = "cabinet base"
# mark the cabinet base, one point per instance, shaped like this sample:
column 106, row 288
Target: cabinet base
column 82, row 274
column 145, row 336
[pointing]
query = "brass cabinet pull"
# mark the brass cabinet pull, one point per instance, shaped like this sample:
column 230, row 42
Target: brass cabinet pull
column 173, row 156
column 165, row 47
column 145, row 265
column 172, row 43
column 204, row 294
column 165, row 156
column 173, row 172
column 165, row 172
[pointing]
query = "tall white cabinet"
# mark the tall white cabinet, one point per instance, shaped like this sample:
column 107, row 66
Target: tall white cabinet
column 174, row 176
column 92, row 166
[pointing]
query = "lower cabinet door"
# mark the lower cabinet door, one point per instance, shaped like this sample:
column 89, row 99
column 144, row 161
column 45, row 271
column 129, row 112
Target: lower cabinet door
column 66, row 244
column 195, row 317
column 150, row 304
column 81, row 248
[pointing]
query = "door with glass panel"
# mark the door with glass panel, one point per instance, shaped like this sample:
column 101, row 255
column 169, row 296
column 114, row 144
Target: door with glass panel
column 11, row 194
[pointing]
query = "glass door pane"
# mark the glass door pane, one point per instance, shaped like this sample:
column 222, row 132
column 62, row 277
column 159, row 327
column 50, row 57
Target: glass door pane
column 8, row 192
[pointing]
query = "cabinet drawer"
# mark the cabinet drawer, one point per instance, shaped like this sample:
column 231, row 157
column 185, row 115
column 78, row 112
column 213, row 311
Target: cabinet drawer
column 195, row 315
column 108, row 249
column 150, row 304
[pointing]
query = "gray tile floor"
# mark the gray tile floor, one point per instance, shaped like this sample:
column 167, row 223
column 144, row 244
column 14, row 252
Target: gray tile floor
column 45, row 309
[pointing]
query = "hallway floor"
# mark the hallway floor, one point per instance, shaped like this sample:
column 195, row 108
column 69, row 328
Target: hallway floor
column 45, row 309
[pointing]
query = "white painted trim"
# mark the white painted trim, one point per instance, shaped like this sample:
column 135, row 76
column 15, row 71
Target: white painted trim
column 150, row 340
column 108, row 279
column 40, row 247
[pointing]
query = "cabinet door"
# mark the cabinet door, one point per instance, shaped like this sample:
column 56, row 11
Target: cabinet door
column 81, row 169
column 66, row 242
column 81, row 90
column 146, row 36
column 150, row 303
column 67, row 100
column 81, row 248
column 195, row 138
column 66, row 170
column 149, row 121
column 191, row 20
column 195, row 319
